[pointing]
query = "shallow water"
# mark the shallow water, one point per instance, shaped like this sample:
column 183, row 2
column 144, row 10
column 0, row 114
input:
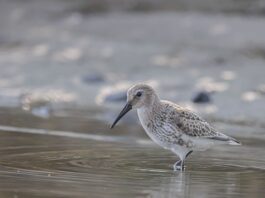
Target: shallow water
column 61, row 162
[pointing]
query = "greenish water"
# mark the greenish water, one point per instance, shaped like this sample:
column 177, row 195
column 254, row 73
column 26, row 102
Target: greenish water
column 61, row 163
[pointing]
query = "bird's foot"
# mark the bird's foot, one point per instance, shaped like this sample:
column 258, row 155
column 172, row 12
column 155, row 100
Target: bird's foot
column 178, row 166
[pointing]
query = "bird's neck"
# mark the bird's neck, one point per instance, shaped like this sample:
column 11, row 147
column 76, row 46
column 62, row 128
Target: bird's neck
column 148, row 111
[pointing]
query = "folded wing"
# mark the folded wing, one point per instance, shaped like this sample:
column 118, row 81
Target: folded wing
column 194, row 126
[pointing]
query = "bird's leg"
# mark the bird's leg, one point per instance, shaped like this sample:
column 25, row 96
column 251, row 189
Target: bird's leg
column 186, row 158
column 179, row 165
column 188, row 154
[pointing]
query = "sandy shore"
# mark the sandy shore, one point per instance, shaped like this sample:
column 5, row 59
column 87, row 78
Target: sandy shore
column 57, row 56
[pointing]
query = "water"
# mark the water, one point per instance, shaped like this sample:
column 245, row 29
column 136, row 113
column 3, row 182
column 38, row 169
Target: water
column 86, row 159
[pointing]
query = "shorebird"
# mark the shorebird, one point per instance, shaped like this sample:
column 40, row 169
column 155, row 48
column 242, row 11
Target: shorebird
column 171, row 126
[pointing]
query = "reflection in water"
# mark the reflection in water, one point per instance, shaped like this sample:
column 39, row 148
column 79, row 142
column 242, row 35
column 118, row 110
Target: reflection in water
column 60, row 163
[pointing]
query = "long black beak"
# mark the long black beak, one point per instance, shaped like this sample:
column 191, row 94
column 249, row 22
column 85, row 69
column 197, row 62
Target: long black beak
column 127, row 108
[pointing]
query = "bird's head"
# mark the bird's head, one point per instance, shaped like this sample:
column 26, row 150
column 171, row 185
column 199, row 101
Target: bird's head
column 138, row 96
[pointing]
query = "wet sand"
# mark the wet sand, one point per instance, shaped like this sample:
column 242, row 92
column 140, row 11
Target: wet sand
column 51, row 53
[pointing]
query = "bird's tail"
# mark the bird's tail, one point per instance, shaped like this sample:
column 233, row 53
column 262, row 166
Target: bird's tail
column 233, row 141
column 226, row 139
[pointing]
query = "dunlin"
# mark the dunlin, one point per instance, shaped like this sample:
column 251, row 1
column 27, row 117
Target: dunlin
column 171, row 126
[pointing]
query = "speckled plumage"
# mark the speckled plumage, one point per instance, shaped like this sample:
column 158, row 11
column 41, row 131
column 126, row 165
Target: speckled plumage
column 171, row 126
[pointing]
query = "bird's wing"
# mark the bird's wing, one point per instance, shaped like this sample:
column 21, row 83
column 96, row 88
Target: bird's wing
column 190, row 124
column 186, row 122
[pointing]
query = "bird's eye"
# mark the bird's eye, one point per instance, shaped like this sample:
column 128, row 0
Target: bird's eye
column 138, row 94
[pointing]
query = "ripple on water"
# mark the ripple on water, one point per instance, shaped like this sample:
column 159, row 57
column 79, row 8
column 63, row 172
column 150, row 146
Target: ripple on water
column 67, row 167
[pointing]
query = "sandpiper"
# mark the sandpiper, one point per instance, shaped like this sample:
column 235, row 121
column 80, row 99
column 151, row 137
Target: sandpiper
column 171, row 126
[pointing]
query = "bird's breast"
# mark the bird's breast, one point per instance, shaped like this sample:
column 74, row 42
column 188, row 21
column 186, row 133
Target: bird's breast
column 157, row 128
column 145, row 119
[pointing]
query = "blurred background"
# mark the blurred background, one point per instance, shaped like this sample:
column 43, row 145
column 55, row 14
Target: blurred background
column 65, row 68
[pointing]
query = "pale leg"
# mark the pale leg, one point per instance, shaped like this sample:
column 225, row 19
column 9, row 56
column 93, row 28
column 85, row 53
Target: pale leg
column 178, row 166
column 183, row 154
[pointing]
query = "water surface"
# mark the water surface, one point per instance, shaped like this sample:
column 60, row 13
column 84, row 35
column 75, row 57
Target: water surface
column 88, row 162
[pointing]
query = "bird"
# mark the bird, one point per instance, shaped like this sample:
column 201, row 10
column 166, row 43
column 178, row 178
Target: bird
column 170, row 125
